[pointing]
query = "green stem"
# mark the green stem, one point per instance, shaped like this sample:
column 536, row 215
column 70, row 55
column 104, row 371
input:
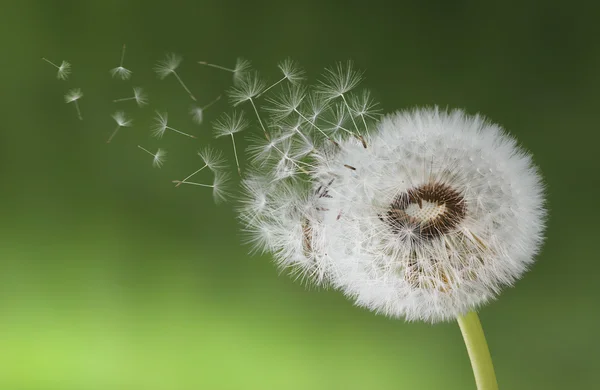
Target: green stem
column 481, row 361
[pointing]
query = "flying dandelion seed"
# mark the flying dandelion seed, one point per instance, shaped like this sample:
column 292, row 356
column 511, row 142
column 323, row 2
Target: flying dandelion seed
column 198, row 112
column 139, row 96
column 291, row 72
column 72, row 97
column 158, row 158
column 239, row 70
column 122, row 121
column 169, row 66
column 120, row 71
column 228, row 125
column 63, row 70
column 161, row 126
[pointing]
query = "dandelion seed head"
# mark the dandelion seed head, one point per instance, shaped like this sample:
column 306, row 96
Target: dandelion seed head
column 64, row 70
column 167, row 65
column 212, row 158
column 242, row 66
column 73, row 95
column 435, row 218
column 159, row 158
column 122, row 119
column 339, row 80
column 220, row 186
column 250, row 85
column 230, row 124
column 121, row 72
column 291, row 71
column 197, row 114
column 160, row 124
column 141, row 98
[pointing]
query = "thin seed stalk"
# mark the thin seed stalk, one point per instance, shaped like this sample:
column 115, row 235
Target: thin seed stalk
column 479, row 353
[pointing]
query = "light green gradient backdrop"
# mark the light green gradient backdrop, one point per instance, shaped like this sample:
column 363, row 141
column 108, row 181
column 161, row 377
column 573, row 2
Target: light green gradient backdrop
column 112, row 279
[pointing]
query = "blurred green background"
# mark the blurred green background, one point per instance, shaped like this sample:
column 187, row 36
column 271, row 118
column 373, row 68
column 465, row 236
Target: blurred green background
column 111, row 278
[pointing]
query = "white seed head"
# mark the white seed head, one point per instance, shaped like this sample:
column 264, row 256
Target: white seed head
column 73, row 95
column 249, row 86
column 220, row 185
column 212, row 158
column 160, row 124
column 230, row 124
column 64, row 70
column 159, row 158
column 242, row 66
column 291, row 71
column 339, row 80
column 167, row 65
column 122, row 119
column 440, row 213
column 140, row 96
column 121, row 72
column 197, row 114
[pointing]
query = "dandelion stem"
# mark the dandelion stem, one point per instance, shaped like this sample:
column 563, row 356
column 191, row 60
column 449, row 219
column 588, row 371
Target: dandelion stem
column 180, row 132
column 259, row 120
column 179, row 182
column 211, row 103
column 78, row 110
column 113, row 134
column 477, row 347
column 236, row 156
column 216, row 66
column 273, row 85
column 194, row 184
column 183, row 85
column 123, row 99
column 122, row 56
column 51, row 63
column 146, row 150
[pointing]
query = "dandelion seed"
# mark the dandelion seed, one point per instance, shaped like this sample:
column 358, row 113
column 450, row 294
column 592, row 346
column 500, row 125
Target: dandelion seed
column 139, row 96
column 63, row 70
column 365, row 107
column 291, row 72
column 198, row 112
column 158, row 158
column 72, row 97
column 161, row 126
column 338, row 82
column 239, row 71
column 228, row 125
column 169, row 66
column 122, row 121
column 249, row 88
column 120, row 71
column 212, row 159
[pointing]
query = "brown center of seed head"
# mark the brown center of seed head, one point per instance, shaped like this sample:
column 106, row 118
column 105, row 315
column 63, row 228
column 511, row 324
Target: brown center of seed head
column 428, row 211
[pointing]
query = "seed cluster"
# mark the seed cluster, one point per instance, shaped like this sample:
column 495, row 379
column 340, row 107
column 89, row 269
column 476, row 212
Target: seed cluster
column 441, row 208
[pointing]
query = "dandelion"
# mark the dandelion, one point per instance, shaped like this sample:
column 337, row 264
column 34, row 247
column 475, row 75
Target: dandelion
column 169, row 66
column 239, row 70
column 212, row 159
column 120, row 71
column 228, row 125
column 198, row 112
column 139, row 96
column 63, row 70
column 72, row 97
column 439, row 215
column 122, row 121
column 161, row 126
column 158, row 158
